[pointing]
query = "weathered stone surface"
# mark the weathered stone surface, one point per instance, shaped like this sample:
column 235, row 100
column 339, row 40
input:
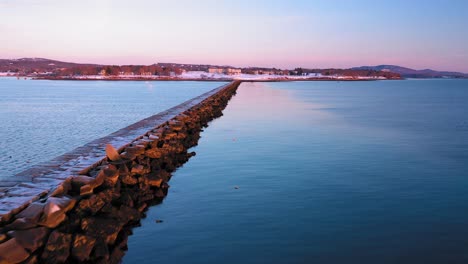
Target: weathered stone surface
column 101, row 227
column 126, row 155
column 80, row 180
column 11, row 251
column 126, row 214
column 82, row 247
column 135, row 150
column 62, row 189
column 101, row 250
column 90, row 185
column 153, row 153
column 129, row 180
column 139, row 169
column 55, row 210
column 32, row 213
column 154, row 180
column 86, row 190
column 159, row 194
column 33, row 259
column 91, row 205
column 112, row 153
column 57, row 249
column 21, row 224
column 30, row 239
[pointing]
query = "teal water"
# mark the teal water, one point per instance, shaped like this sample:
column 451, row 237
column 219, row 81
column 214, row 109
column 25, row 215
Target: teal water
column 326, row 172
column 40, row 120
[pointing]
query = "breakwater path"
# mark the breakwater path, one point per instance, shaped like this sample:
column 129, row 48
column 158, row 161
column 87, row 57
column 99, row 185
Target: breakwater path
column 79, row 207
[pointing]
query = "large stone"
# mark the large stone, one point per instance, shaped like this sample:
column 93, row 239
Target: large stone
column 112, row 176
column 57, row 249
column 153, row 153
column 31, row 260
column 55, row 210
column 126, row 214
column 106, row 228
column 112, row 153
column 82, row 247
column 89, row 187
column 129, row 180
column 139, row 169
column 30, row 239
column 80, row 180
column 101, row 250
column 154, row 180
column 62, row 189
column 22, row 223
column 135, row 150
column 11, row 251
column 91, row 205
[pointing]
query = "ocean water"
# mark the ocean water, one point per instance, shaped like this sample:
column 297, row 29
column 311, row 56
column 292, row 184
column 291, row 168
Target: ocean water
column 40, row 120
column 321, row 172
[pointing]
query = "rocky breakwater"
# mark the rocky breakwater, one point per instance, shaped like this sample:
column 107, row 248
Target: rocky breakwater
column 88, row 216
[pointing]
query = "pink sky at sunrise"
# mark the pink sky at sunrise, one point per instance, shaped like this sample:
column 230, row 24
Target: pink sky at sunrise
column 283, row 34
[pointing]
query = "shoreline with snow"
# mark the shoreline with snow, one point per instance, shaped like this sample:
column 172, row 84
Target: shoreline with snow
column 203, row 76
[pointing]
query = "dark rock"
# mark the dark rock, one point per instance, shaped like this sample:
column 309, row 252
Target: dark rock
column 142, row 207
column 89, row 187
column 21, row 224
column 154, row 180
column 112, row 153
column 153, row 153
column 125, row 199
column 80, row 180
column 112, row 176
column 135, row 150
column 139, row 169
column 11, row 251
column 127, row 179
column 86, row 190
column 33, row 259
column 55, row 210
column 101, row 227
column 57, row 249
column 101, row 250
column 126, row 155
column 62, row 189
column 127, row 214
column 91, row 205
column 3, row 237
column 159, row 194
column 30, row 239
column 82, row 247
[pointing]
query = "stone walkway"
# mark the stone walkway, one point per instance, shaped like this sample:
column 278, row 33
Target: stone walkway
column 32, row 184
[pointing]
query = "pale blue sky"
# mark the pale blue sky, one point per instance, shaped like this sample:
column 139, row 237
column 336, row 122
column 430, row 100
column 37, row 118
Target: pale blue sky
column 286, row 34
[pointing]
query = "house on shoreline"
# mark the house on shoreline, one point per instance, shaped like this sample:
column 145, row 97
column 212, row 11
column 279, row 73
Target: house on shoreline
column 227, row 71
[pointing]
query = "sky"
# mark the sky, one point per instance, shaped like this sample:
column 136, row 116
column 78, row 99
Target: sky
column 284, row 34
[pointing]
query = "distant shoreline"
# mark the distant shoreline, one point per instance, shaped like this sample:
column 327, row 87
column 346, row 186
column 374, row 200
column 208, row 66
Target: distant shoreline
column 205, row 79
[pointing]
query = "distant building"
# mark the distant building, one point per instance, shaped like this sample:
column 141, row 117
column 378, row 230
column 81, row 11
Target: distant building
column 215, row 70
column 232, row 71
column 267, row 72
column 102, row 72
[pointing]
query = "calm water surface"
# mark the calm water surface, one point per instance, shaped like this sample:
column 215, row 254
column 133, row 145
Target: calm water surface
column 40, row 120
column 327, row 172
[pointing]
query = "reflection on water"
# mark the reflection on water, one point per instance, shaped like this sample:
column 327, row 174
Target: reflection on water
column 326, row 172
column 44, row 119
